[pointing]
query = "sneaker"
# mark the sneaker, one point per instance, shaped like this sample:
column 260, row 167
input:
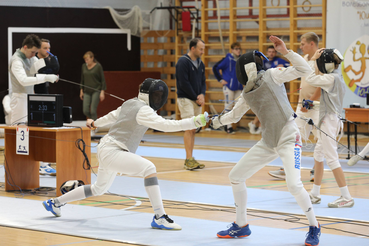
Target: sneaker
column 225, row 128
column 165, row 223
column 354, row 160
column 191, row 164
column 342, row 203
column 235, row 231
column 50, row 206
column 252, row 127
column 230, row 130
column 198, row 129
column 46, row 169
column 315, row 199
column 200, row 166
column 312, row 237
column 312, row 175
column 280, row 174
column 258, row 130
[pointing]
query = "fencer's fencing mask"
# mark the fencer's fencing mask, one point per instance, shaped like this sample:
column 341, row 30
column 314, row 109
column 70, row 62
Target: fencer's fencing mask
column 157, row 92
column 329, row 60
column 248, row 65
column 70, row 185
column 52, row 65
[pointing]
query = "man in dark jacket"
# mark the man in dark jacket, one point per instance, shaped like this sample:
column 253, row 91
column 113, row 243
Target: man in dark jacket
column 190, row 76
column 231, row 87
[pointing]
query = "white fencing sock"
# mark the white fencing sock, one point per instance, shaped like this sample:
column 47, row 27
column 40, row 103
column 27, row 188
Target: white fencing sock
column 345, row 192
column 364, row 151
column 240, row 201
column 153, row 190
column 316, row 190
column 78, row 193
column 303, row 200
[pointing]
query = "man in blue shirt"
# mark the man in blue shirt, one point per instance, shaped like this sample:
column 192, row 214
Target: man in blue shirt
column 274, row 61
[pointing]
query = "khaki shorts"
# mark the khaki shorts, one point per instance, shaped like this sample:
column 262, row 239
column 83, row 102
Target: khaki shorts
column 188, row 108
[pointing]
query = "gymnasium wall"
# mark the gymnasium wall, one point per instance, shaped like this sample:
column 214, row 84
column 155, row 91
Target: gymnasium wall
column 110, row 49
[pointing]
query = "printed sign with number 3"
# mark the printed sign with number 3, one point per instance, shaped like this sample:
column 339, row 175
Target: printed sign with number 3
column 22, row 143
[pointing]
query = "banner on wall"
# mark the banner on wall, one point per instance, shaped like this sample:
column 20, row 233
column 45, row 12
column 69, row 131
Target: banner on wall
column 355, row 69
column 348, row 31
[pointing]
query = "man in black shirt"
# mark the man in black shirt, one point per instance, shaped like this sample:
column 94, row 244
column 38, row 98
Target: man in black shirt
column 190, row 76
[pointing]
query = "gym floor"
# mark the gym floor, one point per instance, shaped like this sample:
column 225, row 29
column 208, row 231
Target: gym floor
column 344, row 222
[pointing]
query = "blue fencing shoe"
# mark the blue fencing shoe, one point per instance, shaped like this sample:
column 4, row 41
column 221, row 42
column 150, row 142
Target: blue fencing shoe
column 312, row 237
column 165, row 223
column 46, row 169
column 235, row 231
column 50, row 206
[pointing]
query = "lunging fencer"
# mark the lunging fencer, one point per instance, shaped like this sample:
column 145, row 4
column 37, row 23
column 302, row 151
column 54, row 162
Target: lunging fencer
column 328, row 77
column 265, row 94
column 116, row 150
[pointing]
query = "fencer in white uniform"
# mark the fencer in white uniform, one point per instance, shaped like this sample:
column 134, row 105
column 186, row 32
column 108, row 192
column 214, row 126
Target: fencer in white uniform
column 265, row 94
column 327, row 76
column 116, row 150
column 307, row 92
column 23, row 67
column 309, row 45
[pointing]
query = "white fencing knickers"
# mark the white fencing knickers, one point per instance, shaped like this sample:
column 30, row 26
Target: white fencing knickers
column 289, row 150
column 304, row 128
column 112, row 160
column 326, row 146
column 18, row 105
column 260, row 155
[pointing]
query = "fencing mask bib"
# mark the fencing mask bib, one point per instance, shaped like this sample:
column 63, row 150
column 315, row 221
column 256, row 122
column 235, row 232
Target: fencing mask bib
column 70, row 185
column 329, row 60
column 154, row 92
column 248, row 65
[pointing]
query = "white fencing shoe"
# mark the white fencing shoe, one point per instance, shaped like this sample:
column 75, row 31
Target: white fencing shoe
column 342, row 203
column 165, row 223
column 354, row 160
column 315, row 199
column 279, row 174
column 252, row 127
column 50, row 206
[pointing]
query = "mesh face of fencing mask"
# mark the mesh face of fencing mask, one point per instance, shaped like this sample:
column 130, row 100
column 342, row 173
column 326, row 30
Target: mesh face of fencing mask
column 70, row 185
column 248, row 65
column 157, row 92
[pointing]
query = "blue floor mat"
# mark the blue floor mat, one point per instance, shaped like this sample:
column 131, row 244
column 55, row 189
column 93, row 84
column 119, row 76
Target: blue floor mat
column 134, row 227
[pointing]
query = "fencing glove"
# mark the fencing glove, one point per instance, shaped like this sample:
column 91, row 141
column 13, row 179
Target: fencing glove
column 51, row 78
column 201, row 119
column 215, row 122
column 41, row 78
